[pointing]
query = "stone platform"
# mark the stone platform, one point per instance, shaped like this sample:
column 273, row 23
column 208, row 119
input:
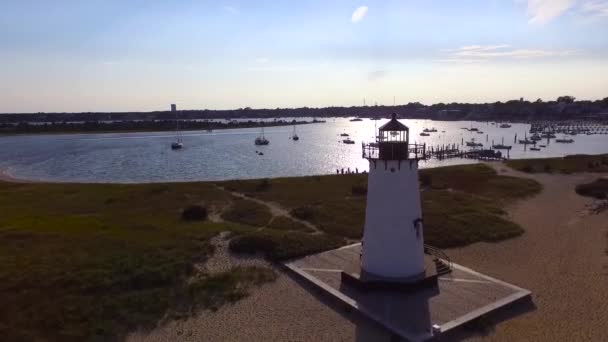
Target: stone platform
column 459, row 297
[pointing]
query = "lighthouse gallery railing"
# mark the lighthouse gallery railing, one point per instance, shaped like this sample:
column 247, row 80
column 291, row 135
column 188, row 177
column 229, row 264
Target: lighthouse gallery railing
column 394, row 151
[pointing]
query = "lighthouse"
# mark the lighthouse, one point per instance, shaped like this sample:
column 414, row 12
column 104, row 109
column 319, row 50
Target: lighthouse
column 393, row 243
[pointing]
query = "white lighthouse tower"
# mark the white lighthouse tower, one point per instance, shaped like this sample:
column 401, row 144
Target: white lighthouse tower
column 393, row 244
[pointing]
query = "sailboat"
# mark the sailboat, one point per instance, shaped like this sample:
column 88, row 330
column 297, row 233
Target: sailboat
column 177, row 144
column 261, row 140
column 295, row 135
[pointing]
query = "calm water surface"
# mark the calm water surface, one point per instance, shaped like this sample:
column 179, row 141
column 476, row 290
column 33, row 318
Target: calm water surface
column 230, row 154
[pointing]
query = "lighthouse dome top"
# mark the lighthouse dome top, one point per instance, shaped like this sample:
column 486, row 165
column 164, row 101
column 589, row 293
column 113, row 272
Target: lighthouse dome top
column 394, row 125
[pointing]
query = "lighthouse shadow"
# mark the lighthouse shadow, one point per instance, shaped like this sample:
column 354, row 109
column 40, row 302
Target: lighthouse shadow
column 486, row 325
column 365, row 329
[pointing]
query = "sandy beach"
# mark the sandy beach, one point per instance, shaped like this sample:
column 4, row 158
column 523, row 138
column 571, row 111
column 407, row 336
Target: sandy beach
column 561, row 258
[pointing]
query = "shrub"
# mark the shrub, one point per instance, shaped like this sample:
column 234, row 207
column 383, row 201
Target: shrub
column 527, row 168
column 359, row 190
column 194, row 213
column 264, row 185
column 303, row 213
column 597, row 189
column 248, row 212
column 285, row 223
column 277, row 245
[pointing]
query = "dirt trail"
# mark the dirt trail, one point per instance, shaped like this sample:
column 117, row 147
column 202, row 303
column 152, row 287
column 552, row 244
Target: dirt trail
column 275, row 210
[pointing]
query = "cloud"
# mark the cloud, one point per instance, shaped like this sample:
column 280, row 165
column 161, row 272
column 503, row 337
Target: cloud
column 543, row 11
column 230, row 9
column 358, row 14
column 262, row 60
column 501, row 51
column 376, row 75
column 595, row 8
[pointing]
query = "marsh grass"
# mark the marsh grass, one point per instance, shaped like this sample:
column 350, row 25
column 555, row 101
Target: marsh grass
column 92, row 261
column 568, row 164
column 247, row 212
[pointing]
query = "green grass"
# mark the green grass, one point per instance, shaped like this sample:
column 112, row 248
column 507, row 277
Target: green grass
column 84, row 261
column 328, row 200
column 281, row 245
column 248, row 212
column 285, row 223
column 568, row 164
column 329, row 203
column 454, row 219
column 596, row 189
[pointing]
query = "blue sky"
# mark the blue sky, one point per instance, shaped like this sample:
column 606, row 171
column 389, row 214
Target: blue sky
column 111, row 55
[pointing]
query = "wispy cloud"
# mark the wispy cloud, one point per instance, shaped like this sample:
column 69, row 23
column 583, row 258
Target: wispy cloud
column 376, row 75
column 543, row 11
column 358, row 14
column 473, row 53
column 230, row 9
column 595, row 8
column 262, row 60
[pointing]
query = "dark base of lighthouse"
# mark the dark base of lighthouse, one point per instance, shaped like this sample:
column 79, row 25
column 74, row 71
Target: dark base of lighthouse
column 365, row 281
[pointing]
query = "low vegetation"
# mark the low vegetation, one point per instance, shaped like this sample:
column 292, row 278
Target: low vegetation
column 281, row 245
column 461, row 204
column 568, row 164
column 92, row 261
column 194, row 213
column 596, row 189
column 211, row 292
column 248, row 212
column 285, row 223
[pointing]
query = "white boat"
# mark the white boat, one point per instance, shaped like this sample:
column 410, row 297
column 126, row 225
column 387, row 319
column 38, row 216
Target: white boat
column 261, row 140
column 295, row 136
column 178, row 143
column 472, row 143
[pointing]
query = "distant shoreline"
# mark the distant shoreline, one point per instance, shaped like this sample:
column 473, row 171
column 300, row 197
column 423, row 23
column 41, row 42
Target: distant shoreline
column 78, row 128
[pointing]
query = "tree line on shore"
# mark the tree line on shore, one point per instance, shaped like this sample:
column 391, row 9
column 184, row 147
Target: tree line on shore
column 564, row 107
column 131, row 125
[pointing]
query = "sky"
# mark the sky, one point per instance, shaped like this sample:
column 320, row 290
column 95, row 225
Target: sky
column 142, row 55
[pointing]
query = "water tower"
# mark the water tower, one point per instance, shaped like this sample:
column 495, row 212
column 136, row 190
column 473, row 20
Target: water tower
column 393, row 243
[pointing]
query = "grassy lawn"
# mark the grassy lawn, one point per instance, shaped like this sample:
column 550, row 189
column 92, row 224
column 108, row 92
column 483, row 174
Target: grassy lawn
column 568, row 164
column 93, row 261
